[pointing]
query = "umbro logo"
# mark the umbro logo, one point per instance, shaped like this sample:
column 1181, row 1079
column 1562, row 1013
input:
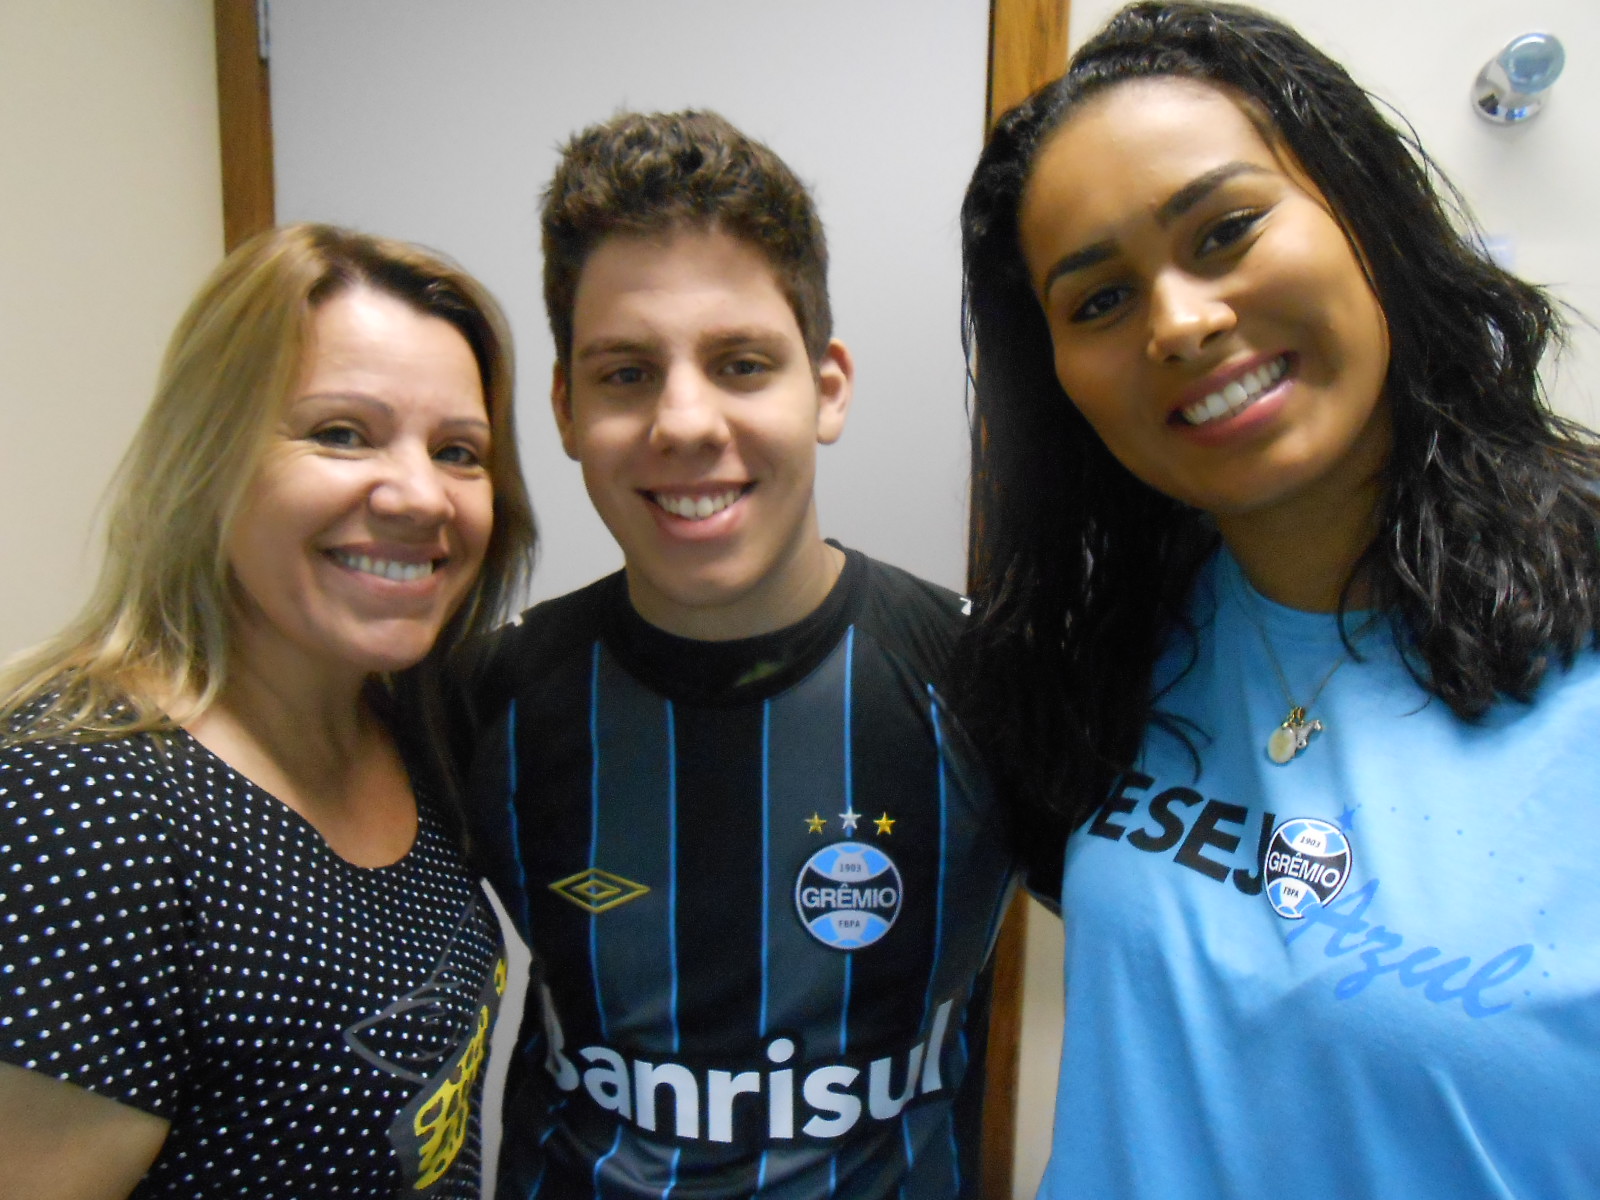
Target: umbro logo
column 598, row 890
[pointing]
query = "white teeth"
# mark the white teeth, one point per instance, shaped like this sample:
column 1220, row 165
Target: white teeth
column 1238, row 395
column 400, row 572
column 696, row 508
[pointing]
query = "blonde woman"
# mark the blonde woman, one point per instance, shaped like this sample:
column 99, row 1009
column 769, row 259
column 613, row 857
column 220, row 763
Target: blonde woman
column 241, row 954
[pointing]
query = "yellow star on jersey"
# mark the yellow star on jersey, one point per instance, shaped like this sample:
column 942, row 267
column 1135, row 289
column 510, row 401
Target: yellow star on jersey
column 884, row 823
column 814, row 823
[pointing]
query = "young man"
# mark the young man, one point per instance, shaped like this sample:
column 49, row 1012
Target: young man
column 720, row 792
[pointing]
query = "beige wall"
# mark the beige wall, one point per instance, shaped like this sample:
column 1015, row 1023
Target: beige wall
column 1041, row 1048
column 110, row 215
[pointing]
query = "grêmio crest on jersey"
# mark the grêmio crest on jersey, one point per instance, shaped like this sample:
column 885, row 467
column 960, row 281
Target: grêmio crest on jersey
column 848, row 895
column 1306, row 865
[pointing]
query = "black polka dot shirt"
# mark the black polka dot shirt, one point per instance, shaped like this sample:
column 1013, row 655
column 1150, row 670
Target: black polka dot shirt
column 178, row 940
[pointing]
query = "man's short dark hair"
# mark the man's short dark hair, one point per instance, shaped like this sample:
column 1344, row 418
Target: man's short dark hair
column 650, row 174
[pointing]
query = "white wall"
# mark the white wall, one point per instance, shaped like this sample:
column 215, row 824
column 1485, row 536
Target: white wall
column 1537, row 185
column 110, row 216
column 440, row 122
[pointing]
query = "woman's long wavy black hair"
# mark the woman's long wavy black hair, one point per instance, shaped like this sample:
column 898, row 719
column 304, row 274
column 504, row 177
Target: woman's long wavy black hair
column 1489, row 552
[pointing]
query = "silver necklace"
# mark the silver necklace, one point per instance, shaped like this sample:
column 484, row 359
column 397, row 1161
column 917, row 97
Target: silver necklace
column 1294, row 735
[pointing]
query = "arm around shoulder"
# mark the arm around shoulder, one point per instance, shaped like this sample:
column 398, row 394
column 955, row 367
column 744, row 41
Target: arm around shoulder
column 62, row 1142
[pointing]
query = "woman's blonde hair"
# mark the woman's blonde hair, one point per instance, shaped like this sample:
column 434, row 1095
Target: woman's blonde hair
column 150, row 648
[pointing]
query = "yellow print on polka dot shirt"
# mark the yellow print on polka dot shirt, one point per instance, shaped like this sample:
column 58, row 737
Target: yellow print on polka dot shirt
column 436, row 1036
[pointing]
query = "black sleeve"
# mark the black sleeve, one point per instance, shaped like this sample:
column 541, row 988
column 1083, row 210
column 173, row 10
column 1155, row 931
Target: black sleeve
column 491, row 673
column 927, row 623
column 926, row 620
column 93, row 942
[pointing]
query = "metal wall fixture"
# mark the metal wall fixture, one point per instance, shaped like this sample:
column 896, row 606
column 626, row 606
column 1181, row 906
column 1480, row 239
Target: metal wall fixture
column 1513, row 85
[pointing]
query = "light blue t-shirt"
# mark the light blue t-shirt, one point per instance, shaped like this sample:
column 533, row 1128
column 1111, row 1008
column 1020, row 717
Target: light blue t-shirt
column 1373, row 971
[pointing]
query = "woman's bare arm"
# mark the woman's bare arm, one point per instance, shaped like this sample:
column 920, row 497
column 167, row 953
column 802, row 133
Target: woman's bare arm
column 60, row 1142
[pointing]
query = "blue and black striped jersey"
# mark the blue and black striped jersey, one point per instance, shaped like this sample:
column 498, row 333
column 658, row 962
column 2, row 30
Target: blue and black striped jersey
column 761, row 880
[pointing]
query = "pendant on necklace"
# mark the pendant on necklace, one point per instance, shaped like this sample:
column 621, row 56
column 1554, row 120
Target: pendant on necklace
column 1293, row 736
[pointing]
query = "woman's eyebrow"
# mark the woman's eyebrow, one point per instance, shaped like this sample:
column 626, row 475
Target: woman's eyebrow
column 1076, row 261
column 1198, row 188
column 1173, row 207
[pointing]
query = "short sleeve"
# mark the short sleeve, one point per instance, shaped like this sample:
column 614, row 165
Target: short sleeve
column 92, row 946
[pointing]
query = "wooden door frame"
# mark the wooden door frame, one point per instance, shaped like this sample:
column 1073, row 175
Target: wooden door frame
column 1027, row 47
column 244, row 118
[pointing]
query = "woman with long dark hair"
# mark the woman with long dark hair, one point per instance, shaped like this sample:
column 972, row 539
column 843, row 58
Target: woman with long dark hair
column 1286, row 578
